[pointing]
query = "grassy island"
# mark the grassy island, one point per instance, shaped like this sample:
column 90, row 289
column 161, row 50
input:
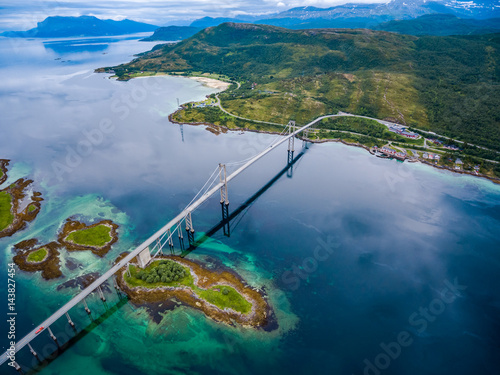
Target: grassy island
column 222, row 295
column 12, row 218
column 37, row 255
column 167, row 273
column 6, row 217
column 98, row 237
column 33, row 258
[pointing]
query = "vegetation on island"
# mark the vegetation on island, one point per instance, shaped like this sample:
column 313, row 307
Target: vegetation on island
column 168, row 273
column 37, row 255
column 32, row 258
column 12, row 217
column 97, row 236
column 6, row 216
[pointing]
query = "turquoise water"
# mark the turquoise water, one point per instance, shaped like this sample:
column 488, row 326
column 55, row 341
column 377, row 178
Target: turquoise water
column 348, row 247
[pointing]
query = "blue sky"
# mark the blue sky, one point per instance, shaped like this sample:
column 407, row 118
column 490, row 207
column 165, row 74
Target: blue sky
column 24, row 14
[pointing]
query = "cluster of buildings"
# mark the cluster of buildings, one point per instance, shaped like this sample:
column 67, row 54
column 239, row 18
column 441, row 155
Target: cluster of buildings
column 401, row 130
column 440, row 143
column 430, row 156
column 394, row 153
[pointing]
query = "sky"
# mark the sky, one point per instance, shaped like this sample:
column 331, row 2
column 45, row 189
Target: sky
column 24, row 14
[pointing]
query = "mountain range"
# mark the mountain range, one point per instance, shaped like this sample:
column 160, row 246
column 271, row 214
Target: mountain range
column 416, row 17
column 60, row 27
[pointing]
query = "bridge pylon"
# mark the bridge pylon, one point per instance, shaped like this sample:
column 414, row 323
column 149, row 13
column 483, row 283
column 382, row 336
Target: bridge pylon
column 224, row 198
column 291, row 141
column 189, row 228
column 305, row 143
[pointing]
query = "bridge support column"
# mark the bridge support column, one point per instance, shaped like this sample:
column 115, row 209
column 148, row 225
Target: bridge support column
column 86, row 306
column 170, row 242
column 190, row 228
column 101, row 294
column 225, row 219
column 52, row 336
column 17, row 367
column 181, row 237
column 305, row 144
column 69, row 320
column 291, row 141
column 35, row 354
column 158, row 245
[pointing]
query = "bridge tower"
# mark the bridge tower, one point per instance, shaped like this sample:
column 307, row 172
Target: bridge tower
column 189, row 228
column 291, row 144
column 224, row 197
column 305, row 144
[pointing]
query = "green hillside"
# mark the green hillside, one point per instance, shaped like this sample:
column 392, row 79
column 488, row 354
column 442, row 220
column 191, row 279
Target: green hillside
column 446, row 84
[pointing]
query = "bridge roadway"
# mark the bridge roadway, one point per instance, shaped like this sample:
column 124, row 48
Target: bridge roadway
column 92, row 287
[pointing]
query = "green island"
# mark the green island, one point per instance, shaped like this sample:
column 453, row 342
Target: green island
column 6, row 216
column 37, row 255
column 13, row 218
column 222, row 296
column 423, row 83
column 169, row 273
column 31, row 257
column 98, row 237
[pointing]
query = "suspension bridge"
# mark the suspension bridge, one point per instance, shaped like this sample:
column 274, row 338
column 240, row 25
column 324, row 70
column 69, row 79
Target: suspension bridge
column 163, row 238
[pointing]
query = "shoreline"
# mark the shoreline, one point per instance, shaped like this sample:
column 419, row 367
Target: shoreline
column 225, row 129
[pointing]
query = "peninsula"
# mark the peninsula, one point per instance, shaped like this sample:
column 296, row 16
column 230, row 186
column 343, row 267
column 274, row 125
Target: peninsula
column 437, row 115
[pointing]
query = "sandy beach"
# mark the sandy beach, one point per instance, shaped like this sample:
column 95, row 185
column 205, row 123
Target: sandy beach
column 213, row 83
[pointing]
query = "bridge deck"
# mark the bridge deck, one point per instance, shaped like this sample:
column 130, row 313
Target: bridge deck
column 92, row 287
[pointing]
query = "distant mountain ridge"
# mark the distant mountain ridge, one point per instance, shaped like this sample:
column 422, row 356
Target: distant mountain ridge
column 441, row 25
column 352, row 15
column 58, row 26
column 172, row 33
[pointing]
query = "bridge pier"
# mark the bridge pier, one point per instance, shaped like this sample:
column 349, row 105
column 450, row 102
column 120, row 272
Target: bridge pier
column 225, row 219
column 305, row 143
column 181, row 237
column 35, row 354
column 291, row 141
column 69, row 320
column 101, row 294
column 52, row 336
column 17, row 367
column 170, row 242
column 86, row 306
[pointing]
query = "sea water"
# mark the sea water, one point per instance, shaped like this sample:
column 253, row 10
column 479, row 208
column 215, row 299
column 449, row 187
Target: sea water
column 354, row 252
